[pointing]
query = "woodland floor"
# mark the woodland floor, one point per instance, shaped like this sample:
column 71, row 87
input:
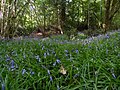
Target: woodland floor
column 84, row 39
column 57, row 63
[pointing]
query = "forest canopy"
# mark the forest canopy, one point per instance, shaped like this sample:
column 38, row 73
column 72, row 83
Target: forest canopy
column 22, row 17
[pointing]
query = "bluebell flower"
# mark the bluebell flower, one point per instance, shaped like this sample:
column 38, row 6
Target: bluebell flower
column 90, row 39
column 77, row 51
column 112, row 71
column 32, row 73
column 38, row 58
column 51, row 79
column 48, row 53
column 107, row 36
column 8, row 58
column 43, row 47
column 53, row 52
column 45, row 55
column 12, row 64
column 23, row 71
column 113, row 75
column 54, row 64
column 3, row 86
column 14, row 53
column 66, row 51
column 61, row 42
column 66, row 55
column 48, row 72
column 58, row 61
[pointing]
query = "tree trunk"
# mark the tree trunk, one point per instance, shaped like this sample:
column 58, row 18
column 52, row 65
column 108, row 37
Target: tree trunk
column 0, row 16
column 107, row 12
column 111, row 8
column 62, row 14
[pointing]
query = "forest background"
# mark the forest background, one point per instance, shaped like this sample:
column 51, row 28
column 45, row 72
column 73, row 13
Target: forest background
column 23, row 17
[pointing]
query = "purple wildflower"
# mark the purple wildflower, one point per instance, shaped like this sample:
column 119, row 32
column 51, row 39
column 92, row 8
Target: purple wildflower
column 66, row 55
column 32, row 73
column 66, row 51
column 12, row 64
column 58, row 61
column 107, row 36
column 3, row 86
column 48, row 72
column 45, row 55
column 51, row 79
column 38, row 58
column 76, row 50
column 43, row 47
column 113, row 75
column 8, row 59
column 53, row 52
column 48, row 53
column 54, row 64
column 23, row 71
column 14, row 53
column 112, row 71
column 61, row 42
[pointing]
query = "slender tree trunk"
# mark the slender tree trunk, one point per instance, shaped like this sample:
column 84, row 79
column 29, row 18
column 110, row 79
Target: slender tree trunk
column 88, row 15
column 44, row 16
column 111, row 8
column 1, row 17
column 101, row 14
column 63, row 14
column 107, row 12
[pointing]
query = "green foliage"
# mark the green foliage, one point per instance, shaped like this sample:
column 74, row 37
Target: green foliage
column 37, row 13
column 35, row 64
column 116, row 22
column 92, row 32
column 70, row 31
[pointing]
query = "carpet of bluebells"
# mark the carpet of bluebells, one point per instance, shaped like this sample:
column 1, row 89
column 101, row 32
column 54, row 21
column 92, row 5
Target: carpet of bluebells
column 57, row 63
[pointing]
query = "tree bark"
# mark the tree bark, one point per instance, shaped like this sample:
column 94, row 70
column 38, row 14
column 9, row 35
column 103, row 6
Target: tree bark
column 107, row 11
column 111, row 8
column 62, row 14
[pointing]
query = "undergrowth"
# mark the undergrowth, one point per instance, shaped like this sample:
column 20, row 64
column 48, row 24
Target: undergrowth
column 59, row 64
